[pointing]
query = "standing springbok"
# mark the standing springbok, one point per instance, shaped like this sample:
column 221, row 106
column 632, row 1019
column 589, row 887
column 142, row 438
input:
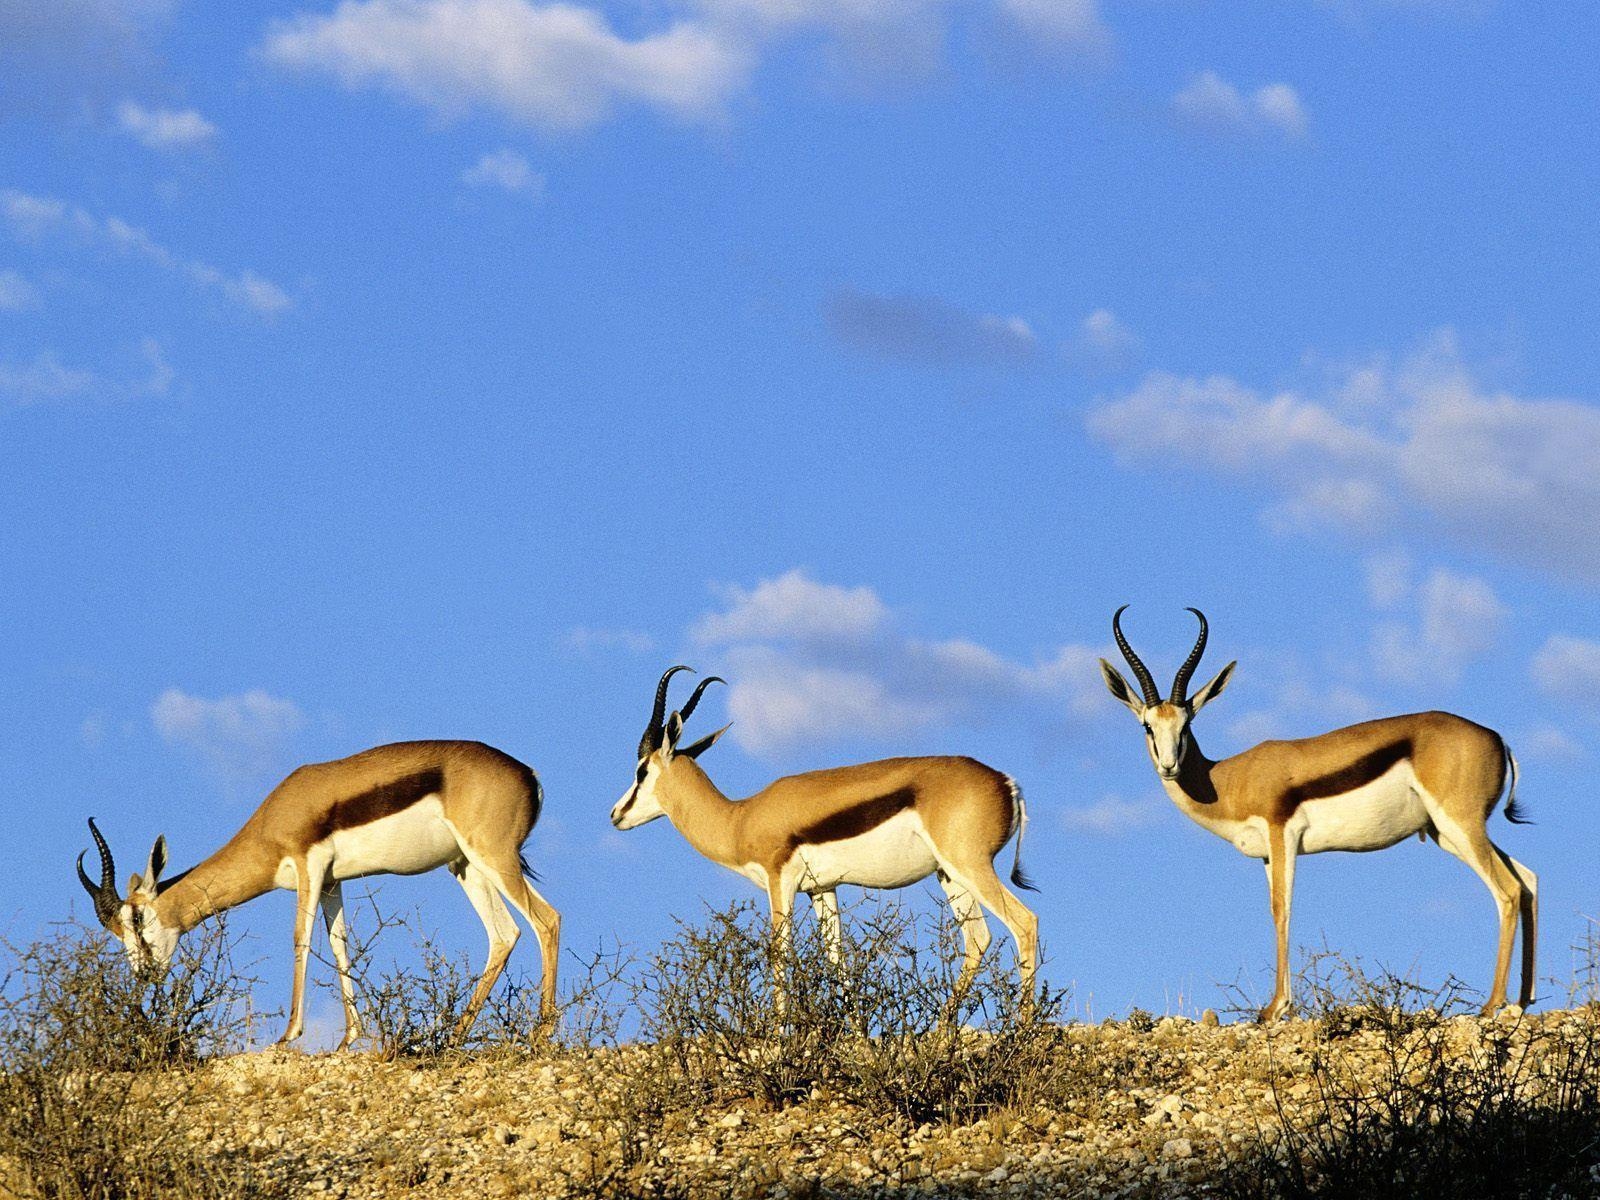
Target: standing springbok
column 1364, row 787
column 400, row 809
column 882, row 824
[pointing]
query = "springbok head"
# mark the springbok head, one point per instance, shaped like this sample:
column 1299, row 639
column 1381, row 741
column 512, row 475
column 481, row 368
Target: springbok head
column 658, row 751
column 149, row 942
column 1166, row 722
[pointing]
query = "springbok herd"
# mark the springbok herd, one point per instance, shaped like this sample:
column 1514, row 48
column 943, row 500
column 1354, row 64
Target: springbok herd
column 413, row 806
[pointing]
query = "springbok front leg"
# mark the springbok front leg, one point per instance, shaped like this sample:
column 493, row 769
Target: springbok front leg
column 338, row 939
column 826, row 905
column 1280, row 890
column 309, row 878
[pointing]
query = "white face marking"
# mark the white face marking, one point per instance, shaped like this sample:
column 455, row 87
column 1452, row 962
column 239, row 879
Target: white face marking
column 640, row 803
column 1166, row 735
column 148, row 943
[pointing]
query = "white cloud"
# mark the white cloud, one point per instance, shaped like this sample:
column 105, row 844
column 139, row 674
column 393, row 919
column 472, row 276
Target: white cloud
column 1211, row 102
column 1499, row 472
column 1112, row 816
column 1389, row 578
column 165, row 128
column 1548, row 743
column 1567, row 668
column 507, row 170
column 812, row 662
column 159, row 377
column 238, row 737
column 558, row 66
column 1069, row 24
column 1103, row 342
column 16, row 293
column 56, row 57
column 1458, row 618
column 43, row 379
column 928, row 330
column 35, row 216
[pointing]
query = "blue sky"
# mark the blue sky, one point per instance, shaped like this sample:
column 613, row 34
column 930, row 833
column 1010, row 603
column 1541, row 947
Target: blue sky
column 447, row 368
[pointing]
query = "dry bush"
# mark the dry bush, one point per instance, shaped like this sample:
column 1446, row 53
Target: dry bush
column 81, row 1038
column 1429, row 1103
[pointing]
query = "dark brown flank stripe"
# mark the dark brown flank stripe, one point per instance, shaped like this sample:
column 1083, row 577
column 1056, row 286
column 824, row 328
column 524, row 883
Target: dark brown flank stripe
column 382, row 801
column 857, row 819
column 1358, row 774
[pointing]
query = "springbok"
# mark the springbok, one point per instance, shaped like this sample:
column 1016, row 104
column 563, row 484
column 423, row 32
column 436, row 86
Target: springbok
column 400, row 809
column 882, row 824
column 1364, row 787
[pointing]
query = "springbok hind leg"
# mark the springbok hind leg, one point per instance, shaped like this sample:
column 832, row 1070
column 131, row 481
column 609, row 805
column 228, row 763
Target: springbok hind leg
column 1530, row 925
column 503, row 934
column 1473, row 847
column 979, row 879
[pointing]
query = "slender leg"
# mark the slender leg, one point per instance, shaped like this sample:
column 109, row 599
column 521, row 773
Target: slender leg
column 974, row 933
column 503, row 934
column 979, row 879
column 1473, row 847
column 333, row 918
column 827, row 908
column 546, row 924
column 780, row 895
column 1280, row 889
column 308, row 888
column 1530, row 926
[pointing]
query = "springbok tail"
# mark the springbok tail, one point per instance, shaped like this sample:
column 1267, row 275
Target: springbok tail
column 1020, row 808
column 1514, row 812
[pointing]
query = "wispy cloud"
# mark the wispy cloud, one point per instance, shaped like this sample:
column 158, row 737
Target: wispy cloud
column 1103, row 342
column 1567, row 668
column 1210, row 102
column 814, row 663
column 1458, row 618
column 928, row 330
column 165, row 128
column 16, row 293
column 1423, row 442
column 506, row 170
column 42, row 379
column 1071, row 25
column 37, row 216
column 1112, row 816
column 239, row 738
column 586, row 639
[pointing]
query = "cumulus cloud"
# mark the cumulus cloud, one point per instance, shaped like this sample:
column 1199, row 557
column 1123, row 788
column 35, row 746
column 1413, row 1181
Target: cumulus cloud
column 165, row 128
column 507, row 170
column 16, row 293
column 1103, row 343
column 1421, row 442
column 1210, row 102
column 1567, row 668
column 925, row 329
column 38, row 216
column 814, row 662
column 557, row 66
column 238, row 737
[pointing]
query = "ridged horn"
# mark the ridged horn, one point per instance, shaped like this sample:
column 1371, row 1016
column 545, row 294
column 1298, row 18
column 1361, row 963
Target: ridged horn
column 1147, row 685
column 653, row 732
column 1180, row 682
column 104, row 894
column 694, row 698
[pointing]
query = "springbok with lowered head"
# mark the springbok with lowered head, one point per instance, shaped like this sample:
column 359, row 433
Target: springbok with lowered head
column 882, row 824
column 1364, row 787
column 400, row 809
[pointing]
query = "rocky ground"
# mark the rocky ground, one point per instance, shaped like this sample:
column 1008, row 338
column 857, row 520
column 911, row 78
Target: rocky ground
column 1172, row 1102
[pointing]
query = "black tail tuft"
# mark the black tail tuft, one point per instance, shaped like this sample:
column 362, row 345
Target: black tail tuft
column 522, row 861
column 1516, row 814
column 1021, row 879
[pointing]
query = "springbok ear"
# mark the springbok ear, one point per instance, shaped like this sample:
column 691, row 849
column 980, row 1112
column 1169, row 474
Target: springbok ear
column 1118, row 687
column 705, row 743
column 1213, row 689
column 157, row 864
column 673, row 732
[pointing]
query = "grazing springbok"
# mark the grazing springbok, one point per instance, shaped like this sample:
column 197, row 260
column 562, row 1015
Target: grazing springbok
column 1364, row 787
column 881, row 824
column 400, row 809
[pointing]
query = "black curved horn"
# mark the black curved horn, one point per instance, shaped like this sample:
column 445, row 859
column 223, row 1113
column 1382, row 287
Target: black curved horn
column 1147, row 685
column 694, row 698
column 651, row 741
column 105, row 894
column 1180, row 682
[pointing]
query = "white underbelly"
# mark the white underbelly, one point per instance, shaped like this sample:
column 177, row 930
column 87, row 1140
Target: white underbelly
column 1383, row 812
column 892, row 855
column 1249, row 837
column 409, row 842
